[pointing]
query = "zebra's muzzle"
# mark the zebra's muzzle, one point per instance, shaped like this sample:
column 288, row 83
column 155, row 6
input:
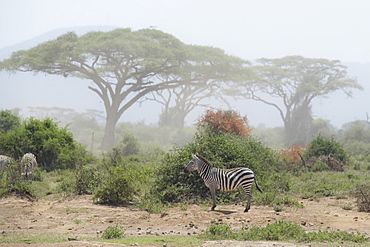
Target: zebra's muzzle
column 186, row 171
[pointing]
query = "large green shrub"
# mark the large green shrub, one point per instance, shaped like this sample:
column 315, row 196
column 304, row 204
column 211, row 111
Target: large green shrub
column 121, row 182
column 325, row 146
column 222, row 150
column 53, row 146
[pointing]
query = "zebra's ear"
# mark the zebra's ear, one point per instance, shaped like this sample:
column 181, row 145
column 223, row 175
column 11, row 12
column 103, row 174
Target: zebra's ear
column 194, row 156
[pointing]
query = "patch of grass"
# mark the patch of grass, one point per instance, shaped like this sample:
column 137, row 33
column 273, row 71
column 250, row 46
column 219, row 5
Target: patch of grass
column 170, row 240
column 21, row 237
column 346, row 206
column 219, row 231
column 281, row 231
column 279, row 208
column 74, row 210
column 333, row 236
column 77, row 221
column 183, row 206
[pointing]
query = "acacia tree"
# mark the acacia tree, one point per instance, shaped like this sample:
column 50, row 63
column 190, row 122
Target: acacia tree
column 124, row 66
column 290, row 84
column 178, row 103
column 211, row 69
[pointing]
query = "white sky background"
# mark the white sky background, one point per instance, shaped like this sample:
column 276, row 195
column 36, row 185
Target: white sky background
column 333, row 29
column 250, row 29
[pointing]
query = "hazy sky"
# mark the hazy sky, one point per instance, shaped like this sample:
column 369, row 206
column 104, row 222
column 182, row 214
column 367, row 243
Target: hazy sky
column 333, row 29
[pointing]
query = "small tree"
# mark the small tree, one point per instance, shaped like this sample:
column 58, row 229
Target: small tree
column 293, row 154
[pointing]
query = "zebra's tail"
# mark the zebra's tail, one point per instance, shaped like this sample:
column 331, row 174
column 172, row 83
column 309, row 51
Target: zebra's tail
column 255, row 181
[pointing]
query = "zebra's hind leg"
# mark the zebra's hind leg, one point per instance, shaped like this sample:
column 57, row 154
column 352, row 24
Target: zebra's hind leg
column 248, row 206
column 213, row 195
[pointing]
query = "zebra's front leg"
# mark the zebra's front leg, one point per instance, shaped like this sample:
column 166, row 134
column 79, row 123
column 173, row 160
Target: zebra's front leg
column 213, row 195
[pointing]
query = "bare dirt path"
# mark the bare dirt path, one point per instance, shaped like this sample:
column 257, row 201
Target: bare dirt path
column 78, row 218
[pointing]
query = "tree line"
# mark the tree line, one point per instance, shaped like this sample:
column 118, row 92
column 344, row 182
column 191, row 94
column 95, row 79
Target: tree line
column 129, row 66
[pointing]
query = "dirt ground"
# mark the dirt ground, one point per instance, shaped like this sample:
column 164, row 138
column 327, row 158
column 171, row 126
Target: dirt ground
column 78, row 217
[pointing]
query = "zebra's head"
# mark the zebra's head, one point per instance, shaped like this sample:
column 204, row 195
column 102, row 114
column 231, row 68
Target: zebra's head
column 192, row 165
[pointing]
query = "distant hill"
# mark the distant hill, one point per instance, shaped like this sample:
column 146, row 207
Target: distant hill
column 7, row 51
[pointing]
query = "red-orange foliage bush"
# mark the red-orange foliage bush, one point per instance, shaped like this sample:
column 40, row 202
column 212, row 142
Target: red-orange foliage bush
column 225, row 121
column 292, row 154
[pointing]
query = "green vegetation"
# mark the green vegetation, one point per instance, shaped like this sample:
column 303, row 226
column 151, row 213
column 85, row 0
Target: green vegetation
column 281, row 231
column 139, row 173
column 324, row 146
column 54, row 146
column 224, row 151
column 19, row 237
column 170, row 240
column 113, row 232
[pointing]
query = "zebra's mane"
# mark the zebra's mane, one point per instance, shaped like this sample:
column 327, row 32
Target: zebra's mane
column 203, row 159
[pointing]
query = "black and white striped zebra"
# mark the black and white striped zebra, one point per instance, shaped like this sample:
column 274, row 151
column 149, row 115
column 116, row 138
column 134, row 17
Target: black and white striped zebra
column 28, row 164
column 223, row 179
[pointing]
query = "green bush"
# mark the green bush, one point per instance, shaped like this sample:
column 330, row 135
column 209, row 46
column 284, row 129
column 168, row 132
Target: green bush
column 324, row 146
column 151, row 203
column 219, row 232
column 113, row 232
column 222, row 150
column 117, row 189
column 122, row 181
column 54, row 147
column 87, row 179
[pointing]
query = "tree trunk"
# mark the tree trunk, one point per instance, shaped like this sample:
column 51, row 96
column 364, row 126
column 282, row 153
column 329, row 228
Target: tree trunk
column 110, row 127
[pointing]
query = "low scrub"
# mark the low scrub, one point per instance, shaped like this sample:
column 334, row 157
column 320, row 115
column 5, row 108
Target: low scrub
column 113, row 232
column 280, row 231
column 123, row 180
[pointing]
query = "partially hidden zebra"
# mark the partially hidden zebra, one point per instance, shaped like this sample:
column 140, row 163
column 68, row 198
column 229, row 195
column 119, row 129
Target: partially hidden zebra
column 4, row 160
column 223, row 179
column 28, row 164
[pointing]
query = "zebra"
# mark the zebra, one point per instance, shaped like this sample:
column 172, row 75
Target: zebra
column 4, row 160
column 28, row 163
column 222, row 179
